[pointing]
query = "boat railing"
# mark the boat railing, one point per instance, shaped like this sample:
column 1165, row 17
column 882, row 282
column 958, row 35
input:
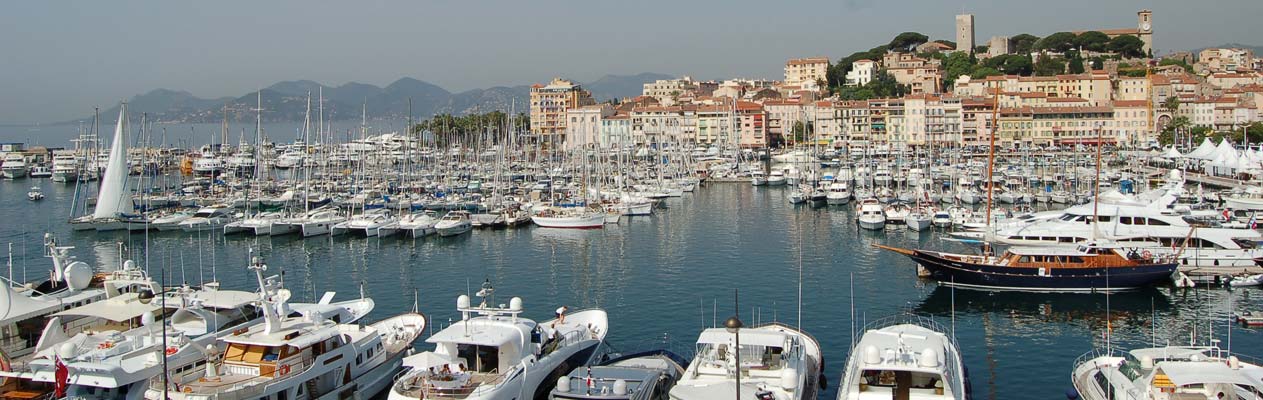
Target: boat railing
column 909, row 318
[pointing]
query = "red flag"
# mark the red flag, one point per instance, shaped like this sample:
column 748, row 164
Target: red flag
column 62, row 375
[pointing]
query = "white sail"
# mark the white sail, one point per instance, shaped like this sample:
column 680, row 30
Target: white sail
column 113, row 200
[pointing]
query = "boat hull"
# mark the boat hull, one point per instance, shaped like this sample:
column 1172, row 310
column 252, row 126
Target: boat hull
column 1001, row 278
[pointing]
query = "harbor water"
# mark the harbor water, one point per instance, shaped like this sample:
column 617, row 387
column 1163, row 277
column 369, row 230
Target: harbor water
column 667, row 276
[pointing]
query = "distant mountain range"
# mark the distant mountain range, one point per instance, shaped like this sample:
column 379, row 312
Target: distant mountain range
column 287, row 101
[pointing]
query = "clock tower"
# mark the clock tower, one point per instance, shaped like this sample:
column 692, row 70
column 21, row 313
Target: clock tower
column 1144, row 28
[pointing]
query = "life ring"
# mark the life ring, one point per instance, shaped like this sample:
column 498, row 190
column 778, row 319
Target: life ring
column 172, row 350
column 105, row 345
column 285, row 369
column 188, row 389
column 1146, row 255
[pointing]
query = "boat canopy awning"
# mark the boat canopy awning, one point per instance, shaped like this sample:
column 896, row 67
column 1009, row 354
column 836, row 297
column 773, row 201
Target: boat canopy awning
column 224, row 299
column 749, row 337
column 1047, row 251
column 1184, row 373
column 119, row 308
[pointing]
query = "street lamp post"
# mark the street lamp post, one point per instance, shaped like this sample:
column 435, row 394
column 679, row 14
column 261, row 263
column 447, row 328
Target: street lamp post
column 734, row 325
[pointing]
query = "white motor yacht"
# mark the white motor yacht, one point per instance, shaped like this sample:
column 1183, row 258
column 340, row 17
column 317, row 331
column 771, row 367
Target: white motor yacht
column 775, row 362
column 300, row 357
column 72, row 284
column 1166, row 373
column 171, row 221
column 14, row 166
column 871, row 215
column 210, row 218
column 320, row 222
column 454, row 223
column 648, row 375
column 259, row 224
column 904, row 357
column 777, row 178
column 365, row 224
column 493, row 353
column 839, row 193
column 66, row 165
column 416, row 224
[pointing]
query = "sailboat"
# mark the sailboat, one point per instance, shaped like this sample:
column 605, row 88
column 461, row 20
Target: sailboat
column 114, row 208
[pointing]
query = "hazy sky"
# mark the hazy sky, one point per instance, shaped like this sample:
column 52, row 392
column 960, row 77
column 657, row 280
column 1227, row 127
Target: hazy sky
column 59, row 58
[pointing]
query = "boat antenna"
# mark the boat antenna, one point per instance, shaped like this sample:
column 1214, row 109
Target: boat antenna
column 852, row 289
column 10, row 264
column 800, row 284
column 953, row 288
column 416, row 300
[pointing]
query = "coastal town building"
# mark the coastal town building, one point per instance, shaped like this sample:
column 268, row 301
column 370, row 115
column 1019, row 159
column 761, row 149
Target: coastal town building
column 549, row 104
column 861, row 73
column 584, row 125
column 806, row 72
column 920, row 74
column 1219, row 60
column 669, row 91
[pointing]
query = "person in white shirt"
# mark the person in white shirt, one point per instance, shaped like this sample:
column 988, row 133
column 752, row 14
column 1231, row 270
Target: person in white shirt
column 561, row 314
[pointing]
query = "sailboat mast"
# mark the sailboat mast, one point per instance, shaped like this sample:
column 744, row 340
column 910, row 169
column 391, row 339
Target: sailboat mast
column 995, row 124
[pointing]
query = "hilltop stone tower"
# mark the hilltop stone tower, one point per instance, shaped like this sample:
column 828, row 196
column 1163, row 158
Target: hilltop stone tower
column 965, row 33
column 1144, row 28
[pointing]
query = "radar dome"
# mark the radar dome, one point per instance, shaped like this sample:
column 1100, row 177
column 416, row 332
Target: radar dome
column 563, row 384
column 789, row 379
column 620, row 387
column 129, row 265
column 146, row 319
column 515, row 304
column 462, row 301
column 929, row 358
column 78, row 275
column 872, row 355
column 66, row 350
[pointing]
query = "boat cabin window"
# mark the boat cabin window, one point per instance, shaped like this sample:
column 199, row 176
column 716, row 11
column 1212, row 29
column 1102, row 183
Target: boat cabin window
column 901, row 381
column 482, row 358
column 1244, row 243
column 1024, row 259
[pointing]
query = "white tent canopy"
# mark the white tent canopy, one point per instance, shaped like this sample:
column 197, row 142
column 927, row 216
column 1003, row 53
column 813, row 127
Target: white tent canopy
column 1172, row 153
column 1203, row 151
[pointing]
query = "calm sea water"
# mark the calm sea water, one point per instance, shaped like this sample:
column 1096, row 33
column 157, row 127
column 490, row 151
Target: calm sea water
column 670, row 275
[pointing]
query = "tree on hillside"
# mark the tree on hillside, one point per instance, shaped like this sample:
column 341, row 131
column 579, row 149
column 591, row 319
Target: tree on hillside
column 954, row 65
column 1098, row 62
column 1128, row 46
column 1076, row 63
column 1023, row 43
column 1011, row 64
column 983, row 71
column 1059, row 42
column 982, row 49
column 1049, row 66
column 1172, row 103
column 1176, row 61
column 1093, row 41
column 907, row 40
column 946, row 42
